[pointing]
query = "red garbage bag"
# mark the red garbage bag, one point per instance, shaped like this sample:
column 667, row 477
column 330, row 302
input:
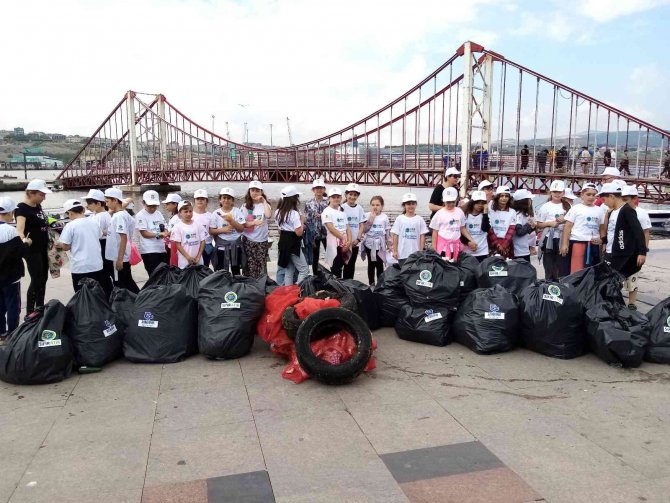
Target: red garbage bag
column 309, row 305
column 269, row 327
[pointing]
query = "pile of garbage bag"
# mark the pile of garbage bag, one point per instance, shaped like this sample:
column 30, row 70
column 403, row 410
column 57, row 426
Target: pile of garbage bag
column 596, row 284
column 658, row 350
column 389, row 295
column 514, row 275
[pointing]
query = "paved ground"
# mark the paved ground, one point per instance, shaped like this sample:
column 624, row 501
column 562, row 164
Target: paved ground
column 430, row 424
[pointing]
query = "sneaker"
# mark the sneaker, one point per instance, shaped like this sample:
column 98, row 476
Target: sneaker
column 632, row 307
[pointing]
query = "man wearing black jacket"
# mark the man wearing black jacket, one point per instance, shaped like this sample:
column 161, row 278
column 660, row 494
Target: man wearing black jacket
column 626, row 249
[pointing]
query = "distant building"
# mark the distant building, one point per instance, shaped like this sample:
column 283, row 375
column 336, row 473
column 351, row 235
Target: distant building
column 19, row 131
column 57, row 137
column 38, row 161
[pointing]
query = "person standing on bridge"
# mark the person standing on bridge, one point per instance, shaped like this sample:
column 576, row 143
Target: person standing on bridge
column 120, row 234
column 203, row 217
column 607, row 157
column 451, row 178
column 625, row 163
column 151, row 225
column 257, row 211
column 542, row 160
column 356, row 220
column 524, row 157
column 666, row 164
column 477, row 223
column 31, row 222
column 315, row 231
column 585, row 160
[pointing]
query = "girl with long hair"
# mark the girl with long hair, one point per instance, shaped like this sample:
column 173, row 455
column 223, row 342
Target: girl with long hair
column 551, row 221
column 409, row 229
column 291, row 228
column 376, row 243
column 503, row 224
column 477, row 223
column 227, row 225
column 524, row 230
column 257, row 211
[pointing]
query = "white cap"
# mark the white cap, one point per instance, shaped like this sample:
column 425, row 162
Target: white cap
column 200, row 193
column 484, row 184
column 7, row 205
column 521, row 194
column 557, row 186
column 610, row 188
column 72, row 203
column 227, row 191
column 318, row 182
column 150, row 197
column 620, row 183
column 182, row 204
column 172, row 198
column 114, row 193
column 503, row 189
column 589, row 185
column 452, row 171
column 611, row 171
column 569, row 194
column 95, row 194
column 407, row 197
column 630, row 190
column 290, row 191
column 255, row 184
column 352, row 187
column 449, row 194
column 478, row 195
column 130, row 205
column 334, row 192
column 39, row 185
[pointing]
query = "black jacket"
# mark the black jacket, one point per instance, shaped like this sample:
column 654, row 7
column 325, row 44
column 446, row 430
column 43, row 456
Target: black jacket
column 628, row 242
column 11, row 263
column 289, row 244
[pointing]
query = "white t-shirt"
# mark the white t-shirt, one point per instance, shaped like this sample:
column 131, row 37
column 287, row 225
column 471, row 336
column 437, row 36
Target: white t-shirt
column 611, row 227
column 122, row 223
column 104, row 219
column 203, row 219
column 355, row 217
column 643, row 218
column 501, row 221
column 217, row 221
column 7, row 232
column 145, row 221
column 291, row 223
column 83, row 236
column 258, row 234
column 522, row 243
column 337, row 218
column 190, row 236
column 474, row 226
column 409, row 231
column 174, row 220
column 586, row 221
column 379, row 225
column 549, row 212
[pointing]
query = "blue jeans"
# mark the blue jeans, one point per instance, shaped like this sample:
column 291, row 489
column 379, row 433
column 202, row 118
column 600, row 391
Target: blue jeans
column 295, row 272
column 10, row 308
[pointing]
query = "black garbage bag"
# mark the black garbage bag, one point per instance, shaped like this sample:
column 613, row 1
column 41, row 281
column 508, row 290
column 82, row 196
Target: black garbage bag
column 164, row 274
column 487, row 321
column 229, row 308
column 38, row 351
column 93, row 328
column 123, row 306
column 316, row 283
column 164, row 326
column 468, row 270
column 596, row 284
column 425, row 325
column 552, row 321
column 270, row 285
column 191, row 278
column 365, row 299
column 617, row 335
column 389, row 295
column 514, row 275
column 430, row 281
column 658, row 350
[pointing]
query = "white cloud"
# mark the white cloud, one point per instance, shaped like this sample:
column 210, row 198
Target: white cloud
column 603, row 11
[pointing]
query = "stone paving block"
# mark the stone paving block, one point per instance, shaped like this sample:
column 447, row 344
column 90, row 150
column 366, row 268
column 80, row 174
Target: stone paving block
column 12, row 393
column 253, row 487
column 38, row 495
column 201, row 453
column 194, row 491
column 118, row 380
column 404, row 426
column 198, row 372
column 323, row 457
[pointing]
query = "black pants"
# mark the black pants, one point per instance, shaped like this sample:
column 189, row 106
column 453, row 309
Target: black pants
column 99, row 276
column 525, row 257
column 125, row 279
column 480, row 258
column 220, row 260
column 350, row 267
column 374, row 266
column 38, row 268
column 10, row 308
column 338, row 264
column 625, row 168
column 554, row 263
column 315, row 260
column 152, row 260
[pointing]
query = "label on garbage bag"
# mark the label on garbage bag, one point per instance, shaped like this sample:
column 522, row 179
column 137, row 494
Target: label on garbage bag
column 48, row 338
column 494, row 316
column 111, row 329
column 230, row 301
column 462, row 283
column 46, row 344
column 147, row 323
column 424, row 279
column 497, row 273
column 552, row 298
column 666, row 330
column 433, row 316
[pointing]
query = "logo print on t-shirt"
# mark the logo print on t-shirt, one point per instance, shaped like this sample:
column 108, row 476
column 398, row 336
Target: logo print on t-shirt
column 497, row 221
column 470, row 226
column 451, row 222
column 588, row 219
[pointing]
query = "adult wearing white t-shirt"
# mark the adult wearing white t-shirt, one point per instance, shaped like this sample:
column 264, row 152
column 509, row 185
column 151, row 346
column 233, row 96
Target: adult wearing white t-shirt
column 409, row 229
column 227, row 225
column 584, row 231
column 257, row 211
column 356, row 220
column 119, row 237
column 151, row 225
column 81, row 237
column 338, row 237
column 202, row 217
column 551, row 221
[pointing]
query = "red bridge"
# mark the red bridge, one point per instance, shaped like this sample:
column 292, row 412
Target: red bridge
column 467, row 113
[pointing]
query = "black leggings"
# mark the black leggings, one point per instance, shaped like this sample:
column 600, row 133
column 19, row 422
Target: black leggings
column 350, row 267
column 152, row 260
column 126, row 279
column 338, row 264
column 315, row 260
column 376, row 265
column 38, row 268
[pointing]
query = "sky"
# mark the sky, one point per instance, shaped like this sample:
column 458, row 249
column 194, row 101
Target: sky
column 66, row 64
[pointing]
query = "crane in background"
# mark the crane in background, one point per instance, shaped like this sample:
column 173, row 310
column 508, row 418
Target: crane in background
column 288, row 126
